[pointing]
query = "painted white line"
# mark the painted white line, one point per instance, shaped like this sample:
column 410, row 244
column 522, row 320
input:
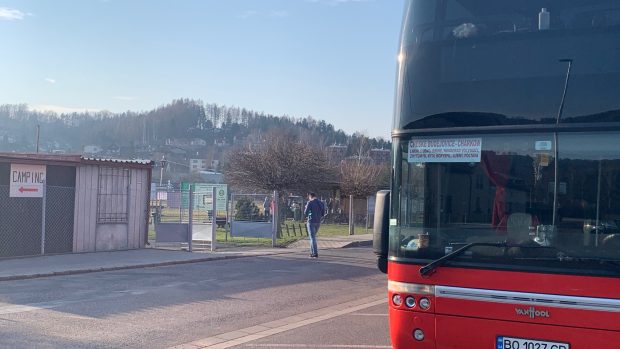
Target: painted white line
column 368, row 314
column 243, row 336
column 19, row 308
column 317, row 346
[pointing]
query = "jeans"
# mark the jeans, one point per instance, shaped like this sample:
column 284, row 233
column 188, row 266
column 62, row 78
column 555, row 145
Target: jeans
column 313, row 229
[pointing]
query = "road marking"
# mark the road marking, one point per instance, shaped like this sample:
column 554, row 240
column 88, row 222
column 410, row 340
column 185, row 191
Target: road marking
column 19, row 308
column 369, row 314
column 317, row 346
column 250, row 334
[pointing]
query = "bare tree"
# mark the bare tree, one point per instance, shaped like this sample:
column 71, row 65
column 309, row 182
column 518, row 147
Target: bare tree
column 362, row 178
column 280, row 163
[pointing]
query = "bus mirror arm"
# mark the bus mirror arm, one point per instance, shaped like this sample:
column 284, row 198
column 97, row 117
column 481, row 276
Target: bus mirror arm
column 381, row 229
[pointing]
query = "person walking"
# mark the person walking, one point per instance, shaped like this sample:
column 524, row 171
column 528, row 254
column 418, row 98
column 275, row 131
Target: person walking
column 314, row 211
column 267, row 207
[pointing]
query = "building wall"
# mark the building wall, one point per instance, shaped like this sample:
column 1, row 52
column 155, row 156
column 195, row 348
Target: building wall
column 91, row 235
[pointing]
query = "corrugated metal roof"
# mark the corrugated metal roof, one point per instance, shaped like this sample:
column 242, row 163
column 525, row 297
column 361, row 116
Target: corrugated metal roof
column 32, row 157
column 119, row 161
column 69, row 159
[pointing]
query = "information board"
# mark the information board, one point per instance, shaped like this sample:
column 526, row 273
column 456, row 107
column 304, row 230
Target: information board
column 445, row 150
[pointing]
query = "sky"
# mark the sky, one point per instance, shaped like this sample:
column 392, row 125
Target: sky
column 334, row 60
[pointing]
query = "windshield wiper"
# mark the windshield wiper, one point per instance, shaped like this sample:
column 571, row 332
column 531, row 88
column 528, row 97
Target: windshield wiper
column 429, row 268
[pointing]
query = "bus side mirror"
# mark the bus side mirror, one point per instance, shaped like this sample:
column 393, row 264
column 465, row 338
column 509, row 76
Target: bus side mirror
column 381, row 229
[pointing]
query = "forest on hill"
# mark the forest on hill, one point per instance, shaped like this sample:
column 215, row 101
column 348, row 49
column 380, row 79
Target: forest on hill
column 183, row 119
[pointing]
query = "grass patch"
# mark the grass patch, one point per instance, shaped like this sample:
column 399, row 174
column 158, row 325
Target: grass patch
column 288, row 237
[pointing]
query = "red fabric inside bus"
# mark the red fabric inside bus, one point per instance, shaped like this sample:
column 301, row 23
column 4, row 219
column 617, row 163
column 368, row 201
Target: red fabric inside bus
column 497, row 168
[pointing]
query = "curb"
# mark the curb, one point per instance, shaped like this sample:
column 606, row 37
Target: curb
column 136, row 266
column 348, row 244
column 362, row 243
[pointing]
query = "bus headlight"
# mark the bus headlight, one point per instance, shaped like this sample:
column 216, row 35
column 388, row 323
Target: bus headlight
column 418, row 334
column 397, row 300
column 425, row 303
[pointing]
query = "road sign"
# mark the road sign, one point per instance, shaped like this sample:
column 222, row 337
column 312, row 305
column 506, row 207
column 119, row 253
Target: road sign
column 27, row 180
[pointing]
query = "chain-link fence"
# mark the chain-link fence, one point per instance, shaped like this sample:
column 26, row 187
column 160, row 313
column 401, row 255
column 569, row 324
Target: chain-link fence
column 22, row 220
column 59, row 217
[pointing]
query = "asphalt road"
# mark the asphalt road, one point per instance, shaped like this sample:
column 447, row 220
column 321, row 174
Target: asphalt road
column 167, row 306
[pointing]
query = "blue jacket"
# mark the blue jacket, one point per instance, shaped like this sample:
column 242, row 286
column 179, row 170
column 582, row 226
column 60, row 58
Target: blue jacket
column 314, row 211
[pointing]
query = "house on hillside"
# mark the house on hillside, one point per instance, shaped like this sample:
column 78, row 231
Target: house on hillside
column 380, row 156
column 92, row 149
column 336, row 153
column 197, row 165
column 198, row 142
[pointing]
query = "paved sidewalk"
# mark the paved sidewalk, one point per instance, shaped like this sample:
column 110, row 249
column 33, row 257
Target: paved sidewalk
column 328, row 242
column 79, row 263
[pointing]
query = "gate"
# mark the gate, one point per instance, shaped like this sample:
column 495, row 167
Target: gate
column 189, row 216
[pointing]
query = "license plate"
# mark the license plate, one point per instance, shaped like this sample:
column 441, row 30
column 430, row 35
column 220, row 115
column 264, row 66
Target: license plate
column 521, row 343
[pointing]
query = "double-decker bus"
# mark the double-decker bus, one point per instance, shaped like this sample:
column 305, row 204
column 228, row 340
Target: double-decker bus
column 502, row 226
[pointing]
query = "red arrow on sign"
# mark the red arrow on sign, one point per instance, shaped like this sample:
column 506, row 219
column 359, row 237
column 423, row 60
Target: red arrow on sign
column 32, row 190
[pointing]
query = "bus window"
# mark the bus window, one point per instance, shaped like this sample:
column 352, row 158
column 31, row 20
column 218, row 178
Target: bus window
column 589, row 195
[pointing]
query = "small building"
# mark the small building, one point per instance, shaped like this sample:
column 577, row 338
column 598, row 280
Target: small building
column 92, row 149
column 336, row 153
column 380, row 156
column 53, row 203
column 197, row 165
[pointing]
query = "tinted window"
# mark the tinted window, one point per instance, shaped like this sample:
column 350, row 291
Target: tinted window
column 476, row 63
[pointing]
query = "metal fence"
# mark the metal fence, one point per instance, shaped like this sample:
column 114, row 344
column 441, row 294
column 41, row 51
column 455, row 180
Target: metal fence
column 34, row 226
column 339, row 211
column 245, row 219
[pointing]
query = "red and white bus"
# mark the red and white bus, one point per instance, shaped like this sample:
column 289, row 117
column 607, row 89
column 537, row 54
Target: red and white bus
column 502, row 226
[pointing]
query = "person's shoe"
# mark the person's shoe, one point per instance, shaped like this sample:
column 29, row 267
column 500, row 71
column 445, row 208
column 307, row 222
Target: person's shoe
column 312, row 256
column 315, row 256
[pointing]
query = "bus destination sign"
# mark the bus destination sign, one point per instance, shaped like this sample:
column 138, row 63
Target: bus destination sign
column 445, row 150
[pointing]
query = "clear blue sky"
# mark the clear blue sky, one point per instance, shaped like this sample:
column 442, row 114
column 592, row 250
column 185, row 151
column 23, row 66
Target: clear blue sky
column 332, row 59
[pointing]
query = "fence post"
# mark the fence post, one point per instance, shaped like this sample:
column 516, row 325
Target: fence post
column 351, row 218
column 191, row 216
column 275, row 218
column 367, row 213
column 44, row 198
column 213, row 218
column 228, row 214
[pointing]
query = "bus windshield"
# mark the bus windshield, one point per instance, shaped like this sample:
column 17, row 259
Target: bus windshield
column 449, row 191
column 489, row 63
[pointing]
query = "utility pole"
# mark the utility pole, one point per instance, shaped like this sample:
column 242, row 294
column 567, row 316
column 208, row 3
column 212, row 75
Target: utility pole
column 38, row 135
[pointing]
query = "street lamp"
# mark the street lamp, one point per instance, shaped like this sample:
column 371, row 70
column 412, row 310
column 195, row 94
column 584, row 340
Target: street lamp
column 163, row 163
